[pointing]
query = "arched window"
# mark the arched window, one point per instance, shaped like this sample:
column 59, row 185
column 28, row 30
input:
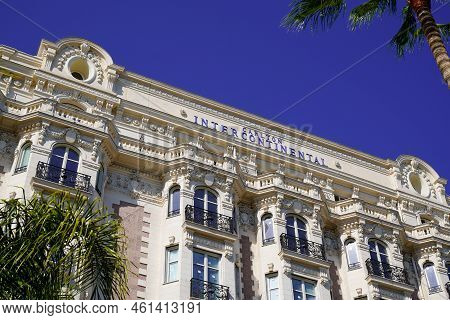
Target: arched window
column 379, row 259
column 432, row 280
column 296, row 227
column 25, row 152
column 267, row 228
column 296, row 235
column 352, row 254
column 100, row 179
column 174, row 201
column 205, row 207
column 64, row 165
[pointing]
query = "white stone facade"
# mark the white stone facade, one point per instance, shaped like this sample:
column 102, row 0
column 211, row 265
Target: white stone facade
column 284, row 214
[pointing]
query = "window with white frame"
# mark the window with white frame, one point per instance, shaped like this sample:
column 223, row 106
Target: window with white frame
column 379, row 259
column 303, row 289
column 205, row 207
column 272, row 287
column 206, row 267
column 351, row 250
column 24, row 158
column 432, row 280
column 64, row 162
column 267, row 228
column 174, row 201
column 296, row 227
column 171, row 264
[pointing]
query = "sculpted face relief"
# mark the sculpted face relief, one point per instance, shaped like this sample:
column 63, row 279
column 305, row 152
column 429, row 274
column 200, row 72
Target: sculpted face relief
column 261, row 139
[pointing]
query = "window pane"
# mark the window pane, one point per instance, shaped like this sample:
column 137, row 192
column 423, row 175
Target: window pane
column 199, row 194
column 173, row 271
column 175, row 200
column 213, row 275
column 198, row 258
column 372, row 246
column 73, row 155
column 71, row 165
column 381, row 248
column 268, row 228
column 352, row 255
column 302, row 234
column 199, row 272
column 310, row 288
column 296, row 285
column 56, row 161
column 172, row 255
column 431, row 276
column 301, row 224
column 59, row 151
column 25, row 156
column 213, row 262
column 298, row 295
column 290, row 221
column 212, row 197
column 273, row 294
column 212, row 207
column 309, row 297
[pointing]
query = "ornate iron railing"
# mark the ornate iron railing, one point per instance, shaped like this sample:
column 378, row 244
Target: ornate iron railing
column 302, row 246
column 386, row 271
column 20, row 169
column 209, row 219
column 208, row 291
column 62, row 176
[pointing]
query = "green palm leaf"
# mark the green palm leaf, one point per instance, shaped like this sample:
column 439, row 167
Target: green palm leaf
column 365, row 13
column 314, row 12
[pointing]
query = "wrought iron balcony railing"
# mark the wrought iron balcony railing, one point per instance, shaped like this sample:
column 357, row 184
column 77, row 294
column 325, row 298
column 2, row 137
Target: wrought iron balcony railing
column 386, row 271
column 208, row 291
column 302, row 246
column 62, row 176
column 210, row 219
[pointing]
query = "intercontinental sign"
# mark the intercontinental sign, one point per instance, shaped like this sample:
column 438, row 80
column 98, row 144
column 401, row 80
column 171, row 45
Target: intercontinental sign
column 261, row 139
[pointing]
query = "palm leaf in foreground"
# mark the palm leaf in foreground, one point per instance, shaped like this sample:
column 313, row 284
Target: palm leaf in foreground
column 59, row 246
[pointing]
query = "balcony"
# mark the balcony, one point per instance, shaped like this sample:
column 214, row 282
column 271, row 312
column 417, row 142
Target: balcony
column 302, row 246
column 20, row 169
column 63, row 177
column 386, row 271
column 210, row 219
column 208, row 291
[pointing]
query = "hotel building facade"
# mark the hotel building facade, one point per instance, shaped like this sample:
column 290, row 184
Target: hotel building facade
column 218, row 203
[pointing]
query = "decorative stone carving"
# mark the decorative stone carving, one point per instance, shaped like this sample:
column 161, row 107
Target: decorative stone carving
column 133, row 185
column 355, row 194
column 247, row 220
column 297, row 206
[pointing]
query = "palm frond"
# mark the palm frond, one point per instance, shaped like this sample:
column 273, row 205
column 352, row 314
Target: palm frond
column 364, row 14
column 409, row 33
column 314, row 12
column 444, row 29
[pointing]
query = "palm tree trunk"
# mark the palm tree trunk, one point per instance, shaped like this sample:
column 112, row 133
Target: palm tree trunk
column 422, row 8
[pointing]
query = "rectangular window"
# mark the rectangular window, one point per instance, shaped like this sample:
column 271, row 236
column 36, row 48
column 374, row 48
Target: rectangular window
column 272, row 286
column 171, row 264
column 303, row 289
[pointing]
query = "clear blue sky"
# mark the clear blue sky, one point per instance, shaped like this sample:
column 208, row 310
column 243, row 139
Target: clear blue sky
column 235, row 52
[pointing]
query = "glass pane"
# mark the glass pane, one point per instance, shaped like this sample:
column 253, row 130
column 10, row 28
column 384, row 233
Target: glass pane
column 273, row 294
column 301, row 224
column 213, row 275
column 290, row 231
column 72, row 166
column 268, row 228
column 25, row 156
column 296, row 285
column 302, row 234
column 175, row 200
column 199, row 194
column 173, row 271
column 198, row 258
column 73, row 155
column 309, row 297
column 212, row 197
column 56, row 161
column 213, row 262
column 173, row 255
column 384, row 258
column 212, row 207
column 352, row 255
column 310, row 288
column 290, row 221
column 199, row 273
column 298, row 295
column 381, row 248
column 431, row 276
column 372, row 246
column 272, row 282
column 198, row 203
column 59, row 151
